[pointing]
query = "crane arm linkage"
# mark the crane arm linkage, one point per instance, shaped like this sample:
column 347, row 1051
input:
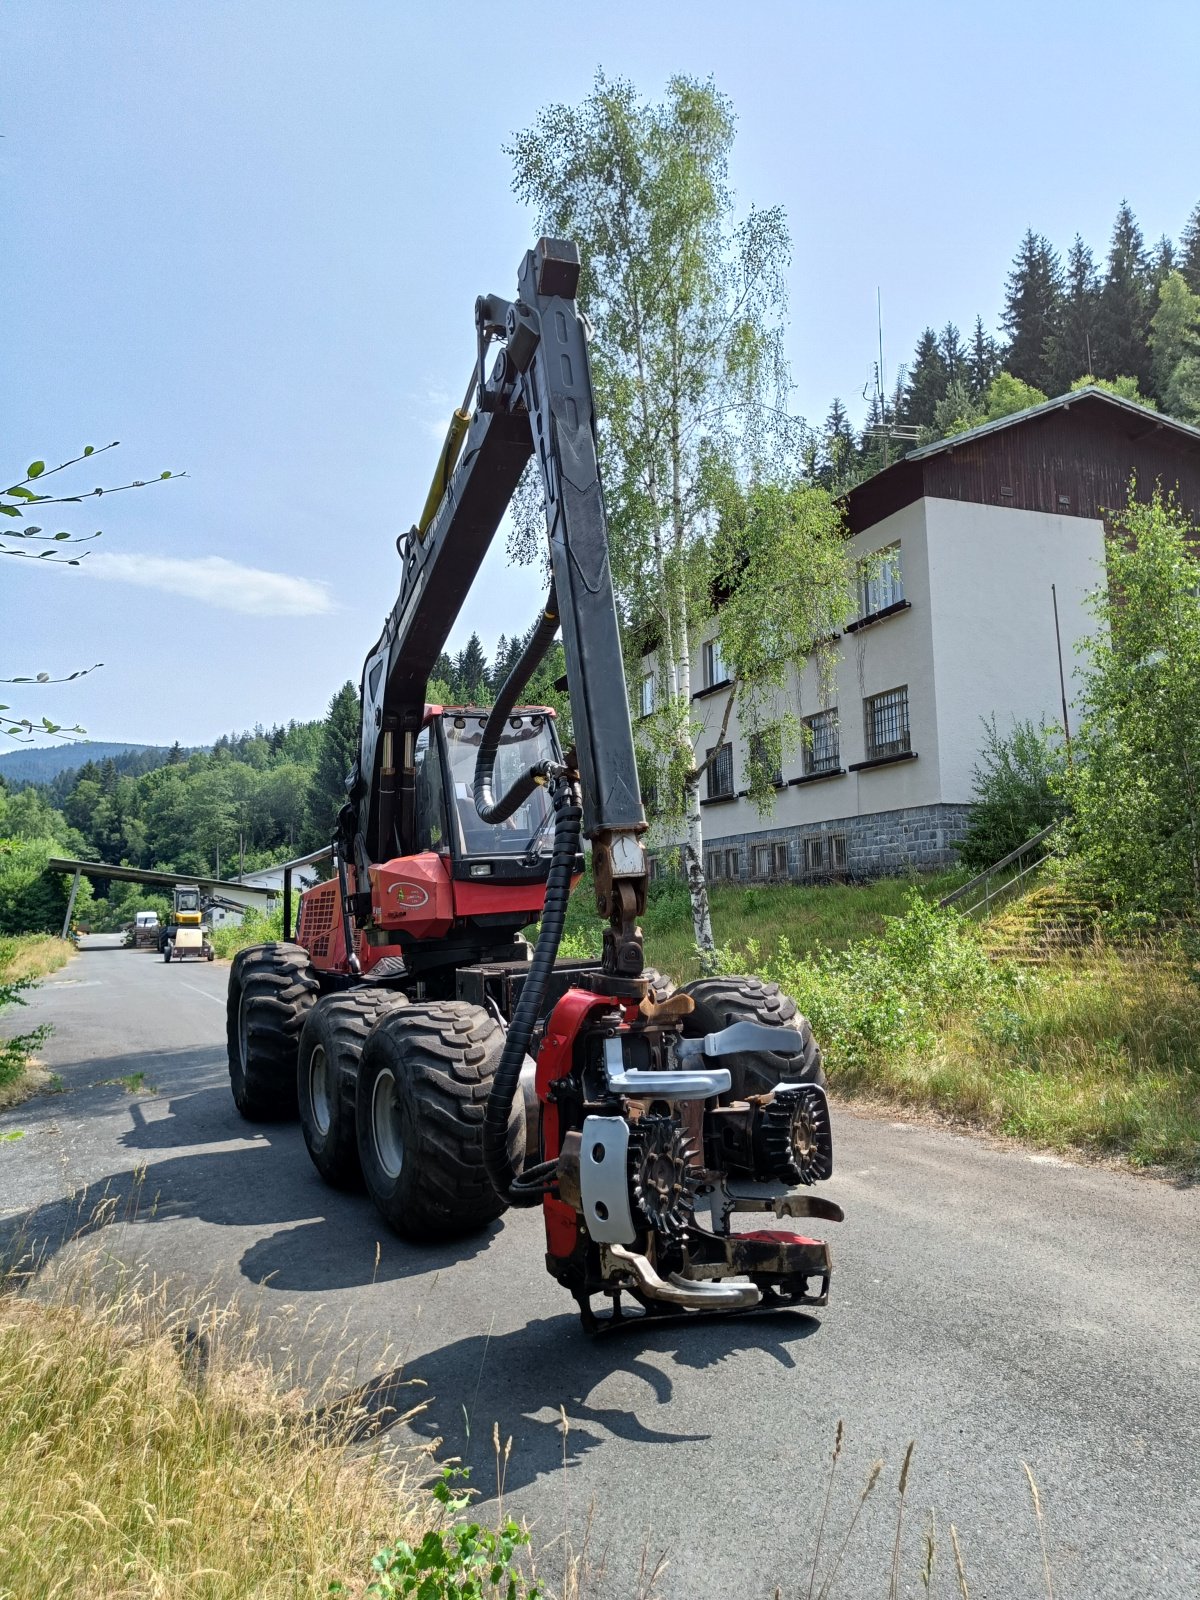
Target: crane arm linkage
column 536, row 400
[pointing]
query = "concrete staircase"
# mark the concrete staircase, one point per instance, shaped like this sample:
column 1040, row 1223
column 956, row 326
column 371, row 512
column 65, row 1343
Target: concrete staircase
column 1045, row 924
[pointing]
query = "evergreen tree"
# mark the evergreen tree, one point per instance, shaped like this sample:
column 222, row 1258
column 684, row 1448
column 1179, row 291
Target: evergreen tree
column 173, row 759
column 927, row 380
column 1032, row 309
column 508, row 653
column 339, row 752
column 1070, row 350
column 1123, row 316
column 837, row 457
column 471, row 673
column 1189, row 251
column 982, row 362
column 1163, row 262
column 953, row 353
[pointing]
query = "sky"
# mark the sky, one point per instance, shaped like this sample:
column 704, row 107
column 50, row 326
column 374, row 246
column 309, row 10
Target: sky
column 246, row 240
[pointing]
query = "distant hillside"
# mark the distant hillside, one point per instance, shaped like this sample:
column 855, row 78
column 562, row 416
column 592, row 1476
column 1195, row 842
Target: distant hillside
column 43, row 765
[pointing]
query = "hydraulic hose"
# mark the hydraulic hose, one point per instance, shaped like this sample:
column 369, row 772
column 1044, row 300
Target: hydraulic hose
column 488, row 807
column 527, row 1188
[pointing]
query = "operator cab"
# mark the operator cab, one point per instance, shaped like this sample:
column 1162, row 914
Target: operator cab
column 445, row 818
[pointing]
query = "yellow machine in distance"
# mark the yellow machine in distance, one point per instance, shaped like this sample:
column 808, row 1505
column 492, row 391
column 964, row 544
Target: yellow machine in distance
column 185, row 936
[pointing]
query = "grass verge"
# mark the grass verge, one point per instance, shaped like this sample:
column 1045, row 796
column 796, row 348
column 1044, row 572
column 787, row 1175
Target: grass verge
column 144, row 1454
column 254, row 929
column 24, row 959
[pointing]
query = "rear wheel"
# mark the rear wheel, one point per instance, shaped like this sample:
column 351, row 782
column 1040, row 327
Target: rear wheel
column 272, row 988
column 719, row 1002
column 422, row 1089
column 330, row 1054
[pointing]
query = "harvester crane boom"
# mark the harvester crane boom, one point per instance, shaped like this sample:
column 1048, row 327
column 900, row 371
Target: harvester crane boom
column 535, row 401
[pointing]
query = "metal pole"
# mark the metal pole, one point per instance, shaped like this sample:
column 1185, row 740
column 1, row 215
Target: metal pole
column 71, row 904
column 1062, row 682
column 287, row 903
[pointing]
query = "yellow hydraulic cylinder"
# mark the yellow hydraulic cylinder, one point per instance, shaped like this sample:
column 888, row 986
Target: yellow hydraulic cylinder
column 451, row 449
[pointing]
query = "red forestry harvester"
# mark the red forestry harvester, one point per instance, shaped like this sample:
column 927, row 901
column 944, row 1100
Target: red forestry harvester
column 433, row 1052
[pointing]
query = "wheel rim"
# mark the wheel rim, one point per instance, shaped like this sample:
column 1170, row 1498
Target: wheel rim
column 385, row 1129
column 318, row 1089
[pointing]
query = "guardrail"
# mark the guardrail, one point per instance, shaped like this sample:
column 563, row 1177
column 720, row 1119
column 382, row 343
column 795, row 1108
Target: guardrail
column 984, row 880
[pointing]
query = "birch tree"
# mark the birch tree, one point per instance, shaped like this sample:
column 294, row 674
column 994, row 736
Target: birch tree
column 687, row 302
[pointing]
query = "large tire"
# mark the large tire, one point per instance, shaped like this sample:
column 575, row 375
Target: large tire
column 272, row 988
column 659, row 987
column 331, row 1046
column 722, row 1001
column 422, row 1089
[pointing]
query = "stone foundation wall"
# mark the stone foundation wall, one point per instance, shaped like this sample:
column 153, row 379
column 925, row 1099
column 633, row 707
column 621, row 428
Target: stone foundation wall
column 879, row 845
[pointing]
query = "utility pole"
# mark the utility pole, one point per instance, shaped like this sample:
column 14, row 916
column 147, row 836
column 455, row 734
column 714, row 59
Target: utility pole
column 1062, row 682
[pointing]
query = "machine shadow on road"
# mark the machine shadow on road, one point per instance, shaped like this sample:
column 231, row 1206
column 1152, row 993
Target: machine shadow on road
column 524, row 1383
column 323, row 1240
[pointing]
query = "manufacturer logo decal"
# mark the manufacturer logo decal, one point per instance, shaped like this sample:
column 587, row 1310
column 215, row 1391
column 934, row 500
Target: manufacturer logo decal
column 409, row 895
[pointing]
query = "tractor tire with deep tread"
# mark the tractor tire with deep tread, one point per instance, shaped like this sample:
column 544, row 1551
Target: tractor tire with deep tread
column 722, row 1001
column 329, row 1057
column 660, row 988
column 423, row 1086
column 272, row 988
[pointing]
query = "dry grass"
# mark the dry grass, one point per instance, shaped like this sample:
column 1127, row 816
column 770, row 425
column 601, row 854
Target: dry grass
column 145, row 1456
column 33, row 955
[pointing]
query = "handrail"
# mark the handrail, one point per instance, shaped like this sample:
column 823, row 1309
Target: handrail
column 981, row 879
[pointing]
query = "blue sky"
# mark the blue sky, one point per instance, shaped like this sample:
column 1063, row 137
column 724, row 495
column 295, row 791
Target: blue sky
column 246, row 240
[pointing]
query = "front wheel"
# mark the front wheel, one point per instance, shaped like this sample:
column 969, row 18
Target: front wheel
column 167, row 953
column 423, row 1086
column 719, row 1002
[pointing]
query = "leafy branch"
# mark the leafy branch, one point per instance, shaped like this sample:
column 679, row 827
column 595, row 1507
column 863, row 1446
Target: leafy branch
column 20, row 497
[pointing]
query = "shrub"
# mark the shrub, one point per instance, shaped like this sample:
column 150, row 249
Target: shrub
column 1017, row 791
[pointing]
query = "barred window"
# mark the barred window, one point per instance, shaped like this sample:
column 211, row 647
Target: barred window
column 814, row 852
column 646, row 695
column 885, row 723
column 715, row 670
column 721, row 864
column 880, row 581
column 720, row 771
column 765, row 751
column 770, row 860
column 837, row 852
column 822, row 746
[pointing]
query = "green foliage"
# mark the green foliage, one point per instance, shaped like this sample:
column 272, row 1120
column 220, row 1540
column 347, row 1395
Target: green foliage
column 1134, row 790
column 889, row 993
column 33, row 899
column 1032, row 309
column 1017, row 791
column 338, row 753
column 1125, row 388
column 123, row 902
column 253, row 929
column 15, row 1049
column 1175, row 342
column 464, row 1561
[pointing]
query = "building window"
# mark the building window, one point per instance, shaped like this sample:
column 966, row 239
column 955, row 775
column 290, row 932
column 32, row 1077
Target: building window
column 837, row 852
column 880, row 581
column 814, row 853
column 769, row 860
column 885, row 722
column 766, row 749
column 723, row 864
column 714, row 665
column 646, row 695
column 822, row 749
column 720, row 771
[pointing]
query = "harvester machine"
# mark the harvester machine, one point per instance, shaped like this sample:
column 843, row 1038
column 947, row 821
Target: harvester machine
column 435, row 1055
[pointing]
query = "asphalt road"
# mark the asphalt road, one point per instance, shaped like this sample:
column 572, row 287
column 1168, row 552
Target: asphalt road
column 993, row 1305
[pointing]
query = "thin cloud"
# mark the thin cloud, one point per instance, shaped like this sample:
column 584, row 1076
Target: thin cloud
column 217, row 582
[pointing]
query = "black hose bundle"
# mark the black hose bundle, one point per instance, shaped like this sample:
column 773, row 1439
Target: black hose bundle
column 488, row 807
column 526, row 1188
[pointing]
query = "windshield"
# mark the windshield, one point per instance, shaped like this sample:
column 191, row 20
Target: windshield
column 187, row 900
column 526, row 740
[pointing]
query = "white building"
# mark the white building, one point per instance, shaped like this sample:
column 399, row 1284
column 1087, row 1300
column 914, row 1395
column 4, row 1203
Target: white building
column 974, row 538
